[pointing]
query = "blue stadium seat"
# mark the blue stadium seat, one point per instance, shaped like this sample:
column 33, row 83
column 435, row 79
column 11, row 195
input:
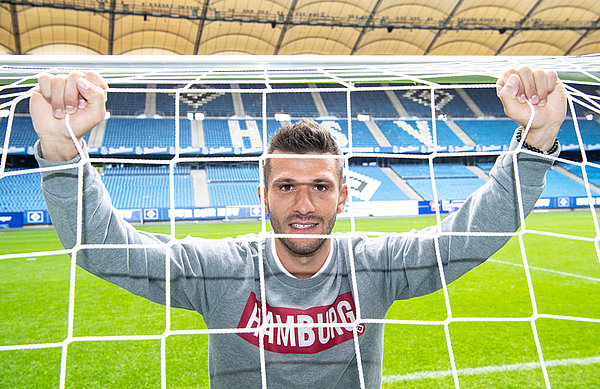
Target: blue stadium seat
column 22, row 133
column 375, row 103
column 589, row 129
column 21, row 192
column 126, row 103
column 148, row 187
column 453, row 181
column 559, row 185
column 232, row 173
column 489, row 132
column 297, row 104
column 128, row 132
column 233, row 193
column 592, row 172
column 487, row 101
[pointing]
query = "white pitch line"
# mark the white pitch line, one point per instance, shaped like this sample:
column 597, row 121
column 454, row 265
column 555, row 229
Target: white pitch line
column 489, row 369
column 562, row 273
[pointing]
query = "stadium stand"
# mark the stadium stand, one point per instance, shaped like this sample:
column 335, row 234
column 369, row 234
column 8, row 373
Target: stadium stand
column 559, row 185
column 298, row 104
column 593, row 173
column 456, row 106
column 387, row 190
column 22, row 133
column 361, row 136
column 487, row 101
column 375, row 103
column 126, row 103
column 148, row 187
column 212, row 104
column 417, row 133
column 216, row 133
column 589, row 129
column 252, row 101
column 143, row 132
column 224, row 194
column 21, row 193
column 417, row 102
column 488, row 132
column 8, row 94
column 236, row 185
column 335, row 102
column 453, row 181
column 232, row 184
column 232, row 173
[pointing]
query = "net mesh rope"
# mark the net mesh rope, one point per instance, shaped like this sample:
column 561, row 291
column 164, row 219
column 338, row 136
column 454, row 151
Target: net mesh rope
column 420, row 76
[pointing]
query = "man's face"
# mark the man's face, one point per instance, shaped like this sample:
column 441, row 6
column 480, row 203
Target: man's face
column 303, row 196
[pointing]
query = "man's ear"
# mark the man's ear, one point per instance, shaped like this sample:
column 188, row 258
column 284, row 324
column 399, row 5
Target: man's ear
column 342, row 199
column 262, row 197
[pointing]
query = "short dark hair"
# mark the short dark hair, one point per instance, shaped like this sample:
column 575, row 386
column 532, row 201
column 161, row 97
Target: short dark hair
column 304, row 137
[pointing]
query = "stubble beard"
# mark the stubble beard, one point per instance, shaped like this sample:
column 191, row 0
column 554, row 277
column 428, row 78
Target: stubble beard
column 307, row 246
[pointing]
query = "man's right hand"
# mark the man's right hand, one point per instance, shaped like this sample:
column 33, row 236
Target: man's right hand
column 81, row 96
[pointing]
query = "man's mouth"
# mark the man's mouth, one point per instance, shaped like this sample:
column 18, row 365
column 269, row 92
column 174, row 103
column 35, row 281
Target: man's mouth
column 302, row 226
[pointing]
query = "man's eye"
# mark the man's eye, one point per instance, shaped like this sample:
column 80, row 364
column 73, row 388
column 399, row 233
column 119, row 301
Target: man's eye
column 286, row 187
column 321, row 188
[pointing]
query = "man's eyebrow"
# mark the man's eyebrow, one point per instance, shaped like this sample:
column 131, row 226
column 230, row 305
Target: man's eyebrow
column 322, row 181
column 284, row 180
column 290, row 180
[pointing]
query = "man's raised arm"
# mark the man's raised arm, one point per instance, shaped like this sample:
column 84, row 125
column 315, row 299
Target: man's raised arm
column 494, row 209
column 140, row 269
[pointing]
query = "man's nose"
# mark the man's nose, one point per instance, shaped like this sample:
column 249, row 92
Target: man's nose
column 303, row 201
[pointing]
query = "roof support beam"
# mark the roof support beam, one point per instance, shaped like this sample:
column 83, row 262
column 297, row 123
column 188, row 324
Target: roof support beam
column 288, row 20
column 582, row 37
column 111, row 27
column 201, row 26
column 15, row 28
column 439, row 32
column 364, row 29
column 513, row 32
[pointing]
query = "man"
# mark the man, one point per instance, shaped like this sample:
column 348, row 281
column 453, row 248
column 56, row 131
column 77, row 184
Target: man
column 308, row 282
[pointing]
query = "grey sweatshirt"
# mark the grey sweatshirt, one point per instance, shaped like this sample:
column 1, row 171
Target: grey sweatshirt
column 220, row 278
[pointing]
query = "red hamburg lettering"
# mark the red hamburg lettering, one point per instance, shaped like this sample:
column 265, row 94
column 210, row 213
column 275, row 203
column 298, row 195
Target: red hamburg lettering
column 302, row 338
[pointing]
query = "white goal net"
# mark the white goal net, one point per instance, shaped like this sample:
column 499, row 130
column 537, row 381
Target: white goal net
column 221, row 113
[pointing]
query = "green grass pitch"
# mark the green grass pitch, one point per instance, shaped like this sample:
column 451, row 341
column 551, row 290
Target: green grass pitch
column 565, row 275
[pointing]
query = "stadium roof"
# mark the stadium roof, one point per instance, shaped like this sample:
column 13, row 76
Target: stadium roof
column 342, row 27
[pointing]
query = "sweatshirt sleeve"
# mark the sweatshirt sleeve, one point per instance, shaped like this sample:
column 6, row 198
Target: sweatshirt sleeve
column 138, row 262
column 409, row 266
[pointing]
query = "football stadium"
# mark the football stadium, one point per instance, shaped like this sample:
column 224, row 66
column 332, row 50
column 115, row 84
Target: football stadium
column 195, row 92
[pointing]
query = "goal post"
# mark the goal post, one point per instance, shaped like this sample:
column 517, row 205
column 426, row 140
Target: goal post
column 423, row 79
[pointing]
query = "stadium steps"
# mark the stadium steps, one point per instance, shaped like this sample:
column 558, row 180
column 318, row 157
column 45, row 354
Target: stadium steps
column 318, row 101
column 403, row 185
column 470, row 103
column 575, row 177
column 150, row 107
column 97, row 135
column 201, row 196
column 460, row 133
column 377, row 134
column 396, row 103
column 197, row 133
column 238, row 103
column 479, row 171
